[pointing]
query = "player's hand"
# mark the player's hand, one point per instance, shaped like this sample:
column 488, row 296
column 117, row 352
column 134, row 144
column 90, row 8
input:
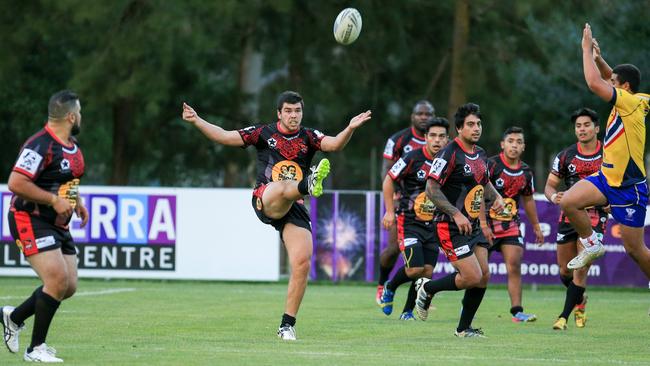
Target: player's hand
column 62, row 207
column 596, row 48
column 389, row 220
column 464, row 226
column 189, row 114
column 360, row 119
column 498, row 206
column 82, row 213
column 607, row 209
column 558, row 198
column 487, row 233
column 587, row 38
column 539, row 237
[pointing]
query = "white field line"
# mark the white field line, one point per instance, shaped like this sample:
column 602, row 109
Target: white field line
column 85, row 293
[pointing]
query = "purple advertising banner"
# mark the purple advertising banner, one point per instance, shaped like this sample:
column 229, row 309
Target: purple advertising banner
column 348, row 238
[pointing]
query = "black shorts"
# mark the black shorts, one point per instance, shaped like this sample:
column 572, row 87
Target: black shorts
column 33, row 235
column 297, row 215
column 417, row 242
column 506, row 240
column 455, row 245
column 566, row 233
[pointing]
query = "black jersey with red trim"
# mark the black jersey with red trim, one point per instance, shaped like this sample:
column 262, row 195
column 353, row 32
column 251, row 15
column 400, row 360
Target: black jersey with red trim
column 511, row 183
column 410, row 174
column 281, row 155
column 571, row 165
column 462, row 176
column 402, row 142
column 53, row 166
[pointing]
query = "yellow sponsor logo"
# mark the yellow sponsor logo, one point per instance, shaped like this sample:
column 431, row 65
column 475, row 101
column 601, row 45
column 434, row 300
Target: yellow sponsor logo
column 19, row 244
column 70, row 192
column 286, row 170
column 509, row 210
column 258, row 204
column 423, row 207
column 473, row 201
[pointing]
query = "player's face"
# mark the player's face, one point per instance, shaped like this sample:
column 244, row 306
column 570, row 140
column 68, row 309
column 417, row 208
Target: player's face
column 586, row 130
column 290, row 116
column 513, row 145
column 471, row 130
column 75, row 118
column 422, row 114
column 436, row 139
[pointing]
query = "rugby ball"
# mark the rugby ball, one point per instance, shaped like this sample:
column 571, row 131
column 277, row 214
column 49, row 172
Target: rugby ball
column 347, row 26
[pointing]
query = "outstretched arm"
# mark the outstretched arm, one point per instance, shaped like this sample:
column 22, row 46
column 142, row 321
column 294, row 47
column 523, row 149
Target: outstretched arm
column 603, row 67
column 213, row 132
column 338, row 142
column 593, row 77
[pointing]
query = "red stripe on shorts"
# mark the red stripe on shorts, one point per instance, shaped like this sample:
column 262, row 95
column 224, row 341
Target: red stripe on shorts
column 444, row 236
column 25, row 233
column 400, row 231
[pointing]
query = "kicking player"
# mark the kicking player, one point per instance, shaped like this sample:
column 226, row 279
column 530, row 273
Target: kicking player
column 513, row 179
column 285, row 146
column 45, row 186
column 414, row 216
column 400, row 143
column 621, row 181
column 572, row 164
column 456, row 184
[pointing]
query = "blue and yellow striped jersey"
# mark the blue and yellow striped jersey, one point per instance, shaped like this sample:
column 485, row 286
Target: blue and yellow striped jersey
column 624, row 144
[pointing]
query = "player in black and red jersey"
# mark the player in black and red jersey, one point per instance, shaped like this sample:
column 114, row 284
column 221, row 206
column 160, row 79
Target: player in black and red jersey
column 284, row 153
column 513, row 179
column 572, row 164
column 45, row 186
column 414, row 216
column 456, row 184
column 400, row 143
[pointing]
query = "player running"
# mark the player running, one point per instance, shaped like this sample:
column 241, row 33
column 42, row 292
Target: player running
column 282, row 147
column 414, row 216
column 400, row 143
column 456, row 184
column 513, row 179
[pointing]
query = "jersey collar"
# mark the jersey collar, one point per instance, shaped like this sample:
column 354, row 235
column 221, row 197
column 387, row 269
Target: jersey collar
column 283, row 131
column 416, row 133
column 462, row 147
column 502, row 156
column 595, row 152
column 55, row 137
column 426, row 153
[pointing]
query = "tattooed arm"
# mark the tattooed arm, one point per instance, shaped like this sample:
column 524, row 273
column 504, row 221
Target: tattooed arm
column 442, row 203
column 492, row 195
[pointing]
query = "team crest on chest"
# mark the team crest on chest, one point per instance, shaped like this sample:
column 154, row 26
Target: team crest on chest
column 499, row 183
column 408, row 148
column 272, row 142
column 421, row 174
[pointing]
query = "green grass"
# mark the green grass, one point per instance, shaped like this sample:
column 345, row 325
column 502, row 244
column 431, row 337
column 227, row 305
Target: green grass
column 208, row 323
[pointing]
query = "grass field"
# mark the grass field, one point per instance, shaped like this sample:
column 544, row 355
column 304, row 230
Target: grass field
column 207, row 323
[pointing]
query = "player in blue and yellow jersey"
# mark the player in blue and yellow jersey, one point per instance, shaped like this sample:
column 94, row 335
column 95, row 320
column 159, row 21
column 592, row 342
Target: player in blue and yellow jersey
column 621, row 181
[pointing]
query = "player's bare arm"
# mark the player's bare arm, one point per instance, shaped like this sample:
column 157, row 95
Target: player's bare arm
column 442, row 203
column 492, row 195
column 593, row 78
column 22, row 186
column 338, row 142
column 213, row 132
column 388, row 189
column 487, row 232
column 550, row 189
column 603, row 67
column 531, row 214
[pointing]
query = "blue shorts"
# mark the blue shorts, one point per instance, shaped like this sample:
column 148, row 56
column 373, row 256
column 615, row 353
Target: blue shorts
column 628, row 203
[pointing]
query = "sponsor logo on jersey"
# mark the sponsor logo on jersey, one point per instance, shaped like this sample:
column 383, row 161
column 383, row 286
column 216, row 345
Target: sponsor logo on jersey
column 437, row 167
column 44, row 242
column 423, row 207
column 462, row 250
column 286, row 170
column 397, row 167
column 473, row 201
column 29, row 160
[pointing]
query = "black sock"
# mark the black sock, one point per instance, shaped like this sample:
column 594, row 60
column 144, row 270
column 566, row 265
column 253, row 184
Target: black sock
column 516, row 309
column 287, row 320
column 471, row 302
column 573, row 295
column 45, row 309
column 399, row 278
column 384, row 272
column 303, row 187
column 410, row 300
column 566, row 280
column 447, row 283
column 26, row 309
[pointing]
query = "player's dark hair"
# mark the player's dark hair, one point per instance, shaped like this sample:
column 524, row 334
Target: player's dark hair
column 464, row 111
column 289, row 97
column 438, row 122
column 630, row 74
column 511, row 130
column 424, row 102
column 585, row 112
column 61, row 103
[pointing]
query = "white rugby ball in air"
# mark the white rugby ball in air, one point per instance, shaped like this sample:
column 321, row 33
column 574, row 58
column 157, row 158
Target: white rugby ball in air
column 347, row 26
